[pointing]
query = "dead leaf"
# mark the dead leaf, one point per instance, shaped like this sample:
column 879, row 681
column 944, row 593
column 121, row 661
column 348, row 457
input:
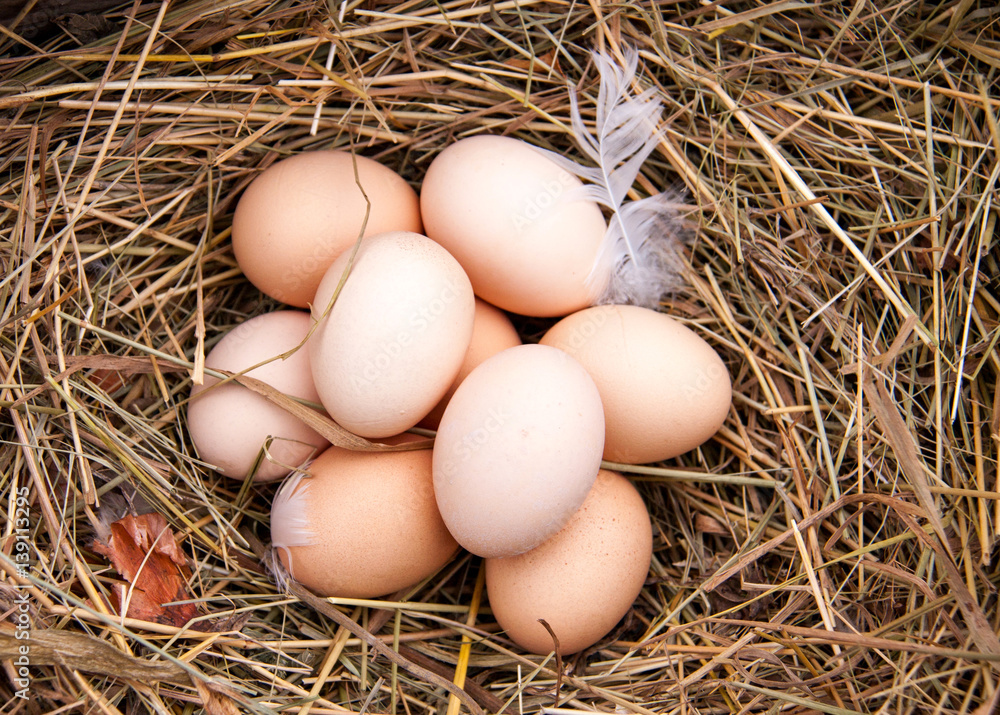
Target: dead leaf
column 215, row 703
column 143, row 550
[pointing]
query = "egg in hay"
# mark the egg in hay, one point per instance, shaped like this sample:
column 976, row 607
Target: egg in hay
column 664, row 389
column 230, row 424
column 296, row 217
column 391, row 344
column 516, row 221
column 492, row 332
column 517, row 450
column 360, row 524
column 583, row 579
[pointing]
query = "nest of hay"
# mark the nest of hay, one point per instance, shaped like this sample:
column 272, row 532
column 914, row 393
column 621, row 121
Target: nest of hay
column 830, row 550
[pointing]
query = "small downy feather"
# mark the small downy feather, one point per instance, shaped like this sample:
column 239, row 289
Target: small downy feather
column 639, row 259
column 289, row 524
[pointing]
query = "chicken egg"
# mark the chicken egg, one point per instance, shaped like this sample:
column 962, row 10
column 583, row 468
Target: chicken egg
column 302, row 212
column 492, row 332
column 229, row 424
column 360, row 524
column 394, row 340
column 516, row 222
column 664, row 389
column 518, row 448
column 583, row 579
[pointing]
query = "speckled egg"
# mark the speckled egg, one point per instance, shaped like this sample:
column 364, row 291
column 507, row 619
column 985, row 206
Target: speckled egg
column 582, row 580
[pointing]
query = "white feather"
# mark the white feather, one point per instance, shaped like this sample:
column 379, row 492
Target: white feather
column 289, row 524
column 642, row 277
column 639, row 259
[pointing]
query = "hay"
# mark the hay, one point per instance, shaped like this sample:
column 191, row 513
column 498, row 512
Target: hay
column 831, row 550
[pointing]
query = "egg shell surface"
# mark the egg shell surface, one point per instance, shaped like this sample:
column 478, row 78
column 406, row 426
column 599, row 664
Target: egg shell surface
column 582, row 580
column 492, row 332
column 518, row 448
column 302, row 212
column 393, row 342
column 665, row 390
column 361, row 524
column 230, row 423
column 514, row 219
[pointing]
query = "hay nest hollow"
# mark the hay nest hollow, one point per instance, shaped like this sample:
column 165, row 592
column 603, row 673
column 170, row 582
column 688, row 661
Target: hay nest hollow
column 830, row 550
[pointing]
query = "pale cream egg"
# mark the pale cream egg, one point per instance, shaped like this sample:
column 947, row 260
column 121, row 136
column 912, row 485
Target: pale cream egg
column 391, row 345
column 516, row 222
column 518, row 448
column 230, row 424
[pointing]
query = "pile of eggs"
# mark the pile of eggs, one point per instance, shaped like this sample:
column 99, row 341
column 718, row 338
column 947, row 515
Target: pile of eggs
column 407, row 328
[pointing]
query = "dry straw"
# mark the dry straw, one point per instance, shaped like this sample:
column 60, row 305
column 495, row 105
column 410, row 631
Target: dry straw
column 832, row 550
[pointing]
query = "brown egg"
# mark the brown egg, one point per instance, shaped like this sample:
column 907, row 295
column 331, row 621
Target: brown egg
column 665, row 390
column 302, row 212
column 230, row 424
column 492, row 332
column 361, row 524
column 582, row 580
column 516, row 222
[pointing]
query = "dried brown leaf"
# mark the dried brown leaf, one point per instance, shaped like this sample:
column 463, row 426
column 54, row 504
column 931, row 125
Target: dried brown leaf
column 142, row 549
column 215, row 703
